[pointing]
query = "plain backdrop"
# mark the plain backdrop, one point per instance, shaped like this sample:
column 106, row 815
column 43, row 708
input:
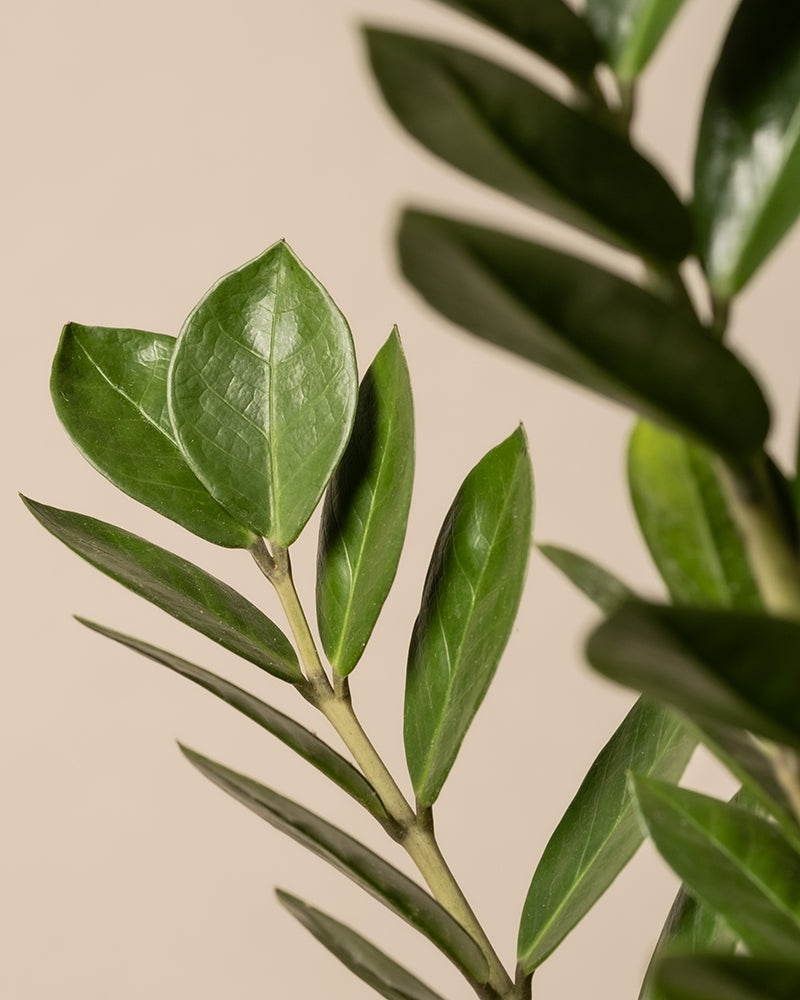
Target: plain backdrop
column 149, row 147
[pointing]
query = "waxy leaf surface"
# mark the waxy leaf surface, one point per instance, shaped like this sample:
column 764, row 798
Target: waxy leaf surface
column 505, row 131
column 600, row 586
column 356, row 861
column 586, row 324
column 599, row 833
column 369, row 963
column 262, row 391
column 109, row 388
column 747, row 167
column 630, row 30
column 469, row 603
column 366, row 511
column 176, row 586
column 732, row 860
column 722, row 977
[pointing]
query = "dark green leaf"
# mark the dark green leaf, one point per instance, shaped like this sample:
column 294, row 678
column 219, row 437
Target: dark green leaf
column 369, row 963
column 549, row 28
column 262, row 391
column 730, row 859
column 722, row 977
column 747, row 169
column 505, row 131
column 469, row 602
column 176, row 586
column 630, row 30
column 599, row 833
column 719, row 666
column 109, row 388
column 303, row 742
column 366, row 510
column 600, row 586
column 360, row 864
column 686, row 522
column 587, row 324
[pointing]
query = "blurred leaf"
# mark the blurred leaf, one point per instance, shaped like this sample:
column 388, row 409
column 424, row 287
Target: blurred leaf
column 369, row 963
column 719, row 666
column 747, row 168
column 586, row 324
column 262, row 391
column 469, row 603
column 686, row 523
column 176, row 586
column 360, row 864
column 599, row 833
column 600, row 586
column 722, row 977
column 109, row 388
column 503, row 130
column 295, row 736
column 366, row 510
column 630, row 30
column 732, row 860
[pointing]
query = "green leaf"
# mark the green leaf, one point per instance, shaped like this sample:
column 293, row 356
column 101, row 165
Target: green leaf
column 722, row 977
column 510, row 134
column 630, row 30
column 731, row 860
column 360, row 864
column 366, row 511
column 262, row 391
column 599, row 833
column 600, row 586
column 719, row 666
column 289, row 732
column 747, row 167
column 369, row 963
column 586, row 324
column 109, row 388
column 686, row 522
column 549, row 28
column 176, row 586
column 469, row 603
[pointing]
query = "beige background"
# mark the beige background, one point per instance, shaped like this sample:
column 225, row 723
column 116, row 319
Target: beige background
column 149, row 147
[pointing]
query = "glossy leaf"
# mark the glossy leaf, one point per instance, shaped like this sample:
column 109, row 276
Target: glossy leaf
column 718, row 977
column 176, row 586
column 686, row 522
column 109, row 388
column 599, row 833
column 719, row 666
column 630, row 30
column 366, row 510
column 289, row 732
column 469, row 602
column 549, row 28
column 586, row 324
column 505, row 131
column 369, row 963
column 359, row 863
column 747, row 167
column 732, row 860
column 262, row 391
column 600, row 586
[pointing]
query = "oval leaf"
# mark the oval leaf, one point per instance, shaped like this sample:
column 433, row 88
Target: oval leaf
column 262, row 391
column 600, row 586
column 505, row 131
column 722, row 977
column 747, row 167
column 599, row 833
column 359, row 863
column 586, row 324
column 176, row 586
column 686, row 522
column 109, row 388
column 366, row 511
column 469, row 603
column 630, row 30
column 369, row 963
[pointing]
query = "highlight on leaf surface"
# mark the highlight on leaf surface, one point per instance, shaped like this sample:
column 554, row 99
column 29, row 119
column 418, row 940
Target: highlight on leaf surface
column 630, row 30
